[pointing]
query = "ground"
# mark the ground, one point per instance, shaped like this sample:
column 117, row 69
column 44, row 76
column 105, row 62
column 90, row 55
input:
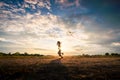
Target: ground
column 54, row 68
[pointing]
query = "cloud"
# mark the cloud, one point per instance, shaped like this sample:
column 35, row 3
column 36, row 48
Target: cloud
column 33, row 28
column 1, row 4
column 116, row 43
column 21, row 7
column 31, row 1
column 34, row 23
column 9, row 43
column 67, row 3
column 41, row 49
column 40, row 3
column 2, row 39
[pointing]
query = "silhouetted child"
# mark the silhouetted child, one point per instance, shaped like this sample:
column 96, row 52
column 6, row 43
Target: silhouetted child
column 60, row 53
column 59, row 50
column 59, row 44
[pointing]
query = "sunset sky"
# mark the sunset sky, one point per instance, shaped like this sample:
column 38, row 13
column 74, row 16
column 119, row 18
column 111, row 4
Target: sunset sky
column 83, row 26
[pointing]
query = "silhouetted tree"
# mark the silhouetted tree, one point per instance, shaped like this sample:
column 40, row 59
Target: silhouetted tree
column 115, row 54
column 9, row 53
column 1, row 53
column 16, row 53
column 107, row 54
column 26, row 54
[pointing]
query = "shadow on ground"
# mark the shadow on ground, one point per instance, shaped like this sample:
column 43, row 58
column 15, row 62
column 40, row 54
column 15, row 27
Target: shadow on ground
column 55, row 70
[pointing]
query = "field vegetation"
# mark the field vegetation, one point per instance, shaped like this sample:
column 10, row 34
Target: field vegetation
column 40, row 67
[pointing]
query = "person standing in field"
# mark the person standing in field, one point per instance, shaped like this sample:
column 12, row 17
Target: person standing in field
column 59, row 49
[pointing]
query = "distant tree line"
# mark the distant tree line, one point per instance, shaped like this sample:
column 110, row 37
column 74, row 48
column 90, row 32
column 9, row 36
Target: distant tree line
column 19, row 54
column 106, row 54
column 101, row 55
column 112, row 54
column 27, row 54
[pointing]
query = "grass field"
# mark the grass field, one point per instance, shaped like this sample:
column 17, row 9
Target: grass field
column 54, row 68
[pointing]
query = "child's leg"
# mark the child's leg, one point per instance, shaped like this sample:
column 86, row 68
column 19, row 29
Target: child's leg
column 60, row 55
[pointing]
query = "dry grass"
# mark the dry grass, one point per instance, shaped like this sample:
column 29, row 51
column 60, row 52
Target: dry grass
column 53, row 68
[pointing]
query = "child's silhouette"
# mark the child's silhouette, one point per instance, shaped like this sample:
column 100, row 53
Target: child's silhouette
column 60, row 53
column 59, row 49
column 59, row 44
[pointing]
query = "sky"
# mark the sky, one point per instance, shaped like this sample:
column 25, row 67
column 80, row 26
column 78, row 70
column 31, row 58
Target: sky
column 82, row 26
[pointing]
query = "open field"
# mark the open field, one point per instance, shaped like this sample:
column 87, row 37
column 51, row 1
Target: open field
column 54, row 68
